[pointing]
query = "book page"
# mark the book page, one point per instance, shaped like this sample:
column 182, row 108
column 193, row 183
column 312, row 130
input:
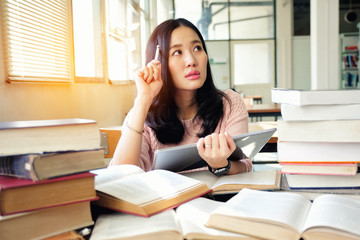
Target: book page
column 204, row 176
column 142, row 189
column 121, row 225
column 193, row 215
column 335, row 211
column 285, row 209
column 115, row 172
column 249, row 178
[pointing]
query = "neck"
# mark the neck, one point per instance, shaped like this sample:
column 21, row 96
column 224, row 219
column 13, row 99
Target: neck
column 187, row 104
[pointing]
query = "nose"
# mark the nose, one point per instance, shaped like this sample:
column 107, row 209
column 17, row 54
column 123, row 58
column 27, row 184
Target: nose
column 190, row 60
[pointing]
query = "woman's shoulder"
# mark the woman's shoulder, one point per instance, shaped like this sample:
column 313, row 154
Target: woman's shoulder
column 233, row 96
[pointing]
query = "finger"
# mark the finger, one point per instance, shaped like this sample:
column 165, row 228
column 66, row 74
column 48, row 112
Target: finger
column 208, row 142
column 157, row 72
column 223, row 141
column 201, row 145
column 215, row 140
column 230, row 142
column 146, row 74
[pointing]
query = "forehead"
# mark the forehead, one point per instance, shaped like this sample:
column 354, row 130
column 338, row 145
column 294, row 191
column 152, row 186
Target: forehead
column 183, row 35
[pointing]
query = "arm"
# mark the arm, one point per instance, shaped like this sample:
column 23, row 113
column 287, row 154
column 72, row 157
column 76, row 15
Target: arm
column 235, row 122
column 148, row 82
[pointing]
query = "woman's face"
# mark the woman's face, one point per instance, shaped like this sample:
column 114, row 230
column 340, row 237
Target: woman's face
column 187, row 59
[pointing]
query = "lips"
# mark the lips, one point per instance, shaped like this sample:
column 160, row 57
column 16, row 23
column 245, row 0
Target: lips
column 193, row 75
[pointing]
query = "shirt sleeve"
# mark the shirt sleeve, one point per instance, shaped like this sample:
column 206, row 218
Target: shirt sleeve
column 236, row 120
column 235, row 114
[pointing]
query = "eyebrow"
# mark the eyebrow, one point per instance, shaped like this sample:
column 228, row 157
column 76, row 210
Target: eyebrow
column 179, row 45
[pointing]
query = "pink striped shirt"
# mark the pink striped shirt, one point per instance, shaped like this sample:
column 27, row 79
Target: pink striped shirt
column 234, row 121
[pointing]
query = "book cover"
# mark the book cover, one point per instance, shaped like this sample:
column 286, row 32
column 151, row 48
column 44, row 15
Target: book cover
column 346, row 131
column 315, row 97
column 44, row 166
column 22, row 195
column 40, row 136
column 320, row 112
column 45, row 223
column 127, row 188
column 283, row 215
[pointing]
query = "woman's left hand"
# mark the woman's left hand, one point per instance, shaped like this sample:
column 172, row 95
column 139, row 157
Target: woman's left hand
column 216, row 148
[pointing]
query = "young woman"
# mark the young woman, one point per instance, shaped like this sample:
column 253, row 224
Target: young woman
column 177, row 103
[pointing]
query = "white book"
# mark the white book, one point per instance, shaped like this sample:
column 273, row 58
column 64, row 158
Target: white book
column 290, row 216
column 319, row 131
column 320, row 112
column 299, row 181
column 315, row 97
column 318, row 151
column 187, row 222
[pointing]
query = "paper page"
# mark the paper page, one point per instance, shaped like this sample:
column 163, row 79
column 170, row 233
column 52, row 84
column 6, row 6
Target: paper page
column 193, row 215
column 204, row 176
column 115, row 172
column 249, row 178
column 151, row 186
column 335, row 211
column 121, row 225
column 288, row 209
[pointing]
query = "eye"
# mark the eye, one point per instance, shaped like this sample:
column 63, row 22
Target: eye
column 176, row 53
column 198, row 48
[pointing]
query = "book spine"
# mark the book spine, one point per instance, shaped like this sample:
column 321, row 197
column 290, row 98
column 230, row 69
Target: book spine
column 20, row 166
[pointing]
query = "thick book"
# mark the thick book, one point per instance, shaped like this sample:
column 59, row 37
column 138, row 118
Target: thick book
column 300, row 181
column 45, row 223
column 320, row 168
column 320, row 112
column 290, row 216
column 260, row 180
column 315, row 97
column 186, row 222
column 319, row 131
column 21, row 195
column 40, row 136
column 127, row 188
column 49, row 165
column 318, row 151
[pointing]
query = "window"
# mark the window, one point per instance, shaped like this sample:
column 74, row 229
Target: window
column 74, row 41
column 117, row 55
column 249, row 28
column 38, row 40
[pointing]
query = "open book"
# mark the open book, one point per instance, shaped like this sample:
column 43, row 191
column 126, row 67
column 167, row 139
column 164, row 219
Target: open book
column 127, row 188
column 276, row 215
column 259, row 180
column 188, row 221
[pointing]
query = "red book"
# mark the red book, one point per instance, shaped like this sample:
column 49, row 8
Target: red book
column 22, row 195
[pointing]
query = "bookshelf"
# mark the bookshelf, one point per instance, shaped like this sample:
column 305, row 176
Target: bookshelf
column 349, row 60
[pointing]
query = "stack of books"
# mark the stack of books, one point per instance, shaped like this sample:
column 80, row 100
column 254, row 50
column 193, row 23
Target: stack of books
column 45, row 181
column 318, row 138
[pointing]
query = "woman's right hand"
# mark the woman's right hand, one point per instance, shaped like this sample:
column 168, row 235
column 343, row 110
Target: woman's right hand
column 148, row 80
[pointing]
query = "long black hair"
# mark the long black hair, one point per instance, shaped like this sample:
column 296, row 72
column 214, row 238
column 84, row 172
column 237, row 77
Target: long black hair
column 163, row 113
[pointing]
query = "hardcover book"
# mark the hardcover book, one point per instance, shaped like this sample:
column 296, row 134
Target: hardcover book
column 277, row 215
column 127, row 188
column 22, row 195
column 40, row 136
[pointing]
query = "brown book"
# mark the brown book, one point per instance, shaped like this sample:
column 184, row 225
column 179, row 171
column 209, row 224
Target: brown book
column 39, row 136
column 127, row 188
column 21, row 195
column 44, row 166
column 291, row 216
column 45, row 223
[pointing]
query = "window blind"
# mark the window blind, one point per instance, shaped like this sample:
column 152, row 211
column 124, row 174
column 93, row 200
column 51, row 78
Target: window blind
column 38, row 40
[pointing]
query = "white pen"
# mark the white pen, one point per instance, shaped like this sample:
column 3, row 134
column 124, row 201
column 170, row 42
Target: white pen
column 157, row 52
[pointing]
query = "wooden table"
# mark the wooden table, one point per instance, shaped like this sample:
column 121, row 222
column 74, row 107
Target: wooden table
column 264, row 110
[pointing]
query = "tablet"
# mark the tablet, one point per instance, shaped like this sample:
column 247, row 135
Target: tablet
column 180, row 158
